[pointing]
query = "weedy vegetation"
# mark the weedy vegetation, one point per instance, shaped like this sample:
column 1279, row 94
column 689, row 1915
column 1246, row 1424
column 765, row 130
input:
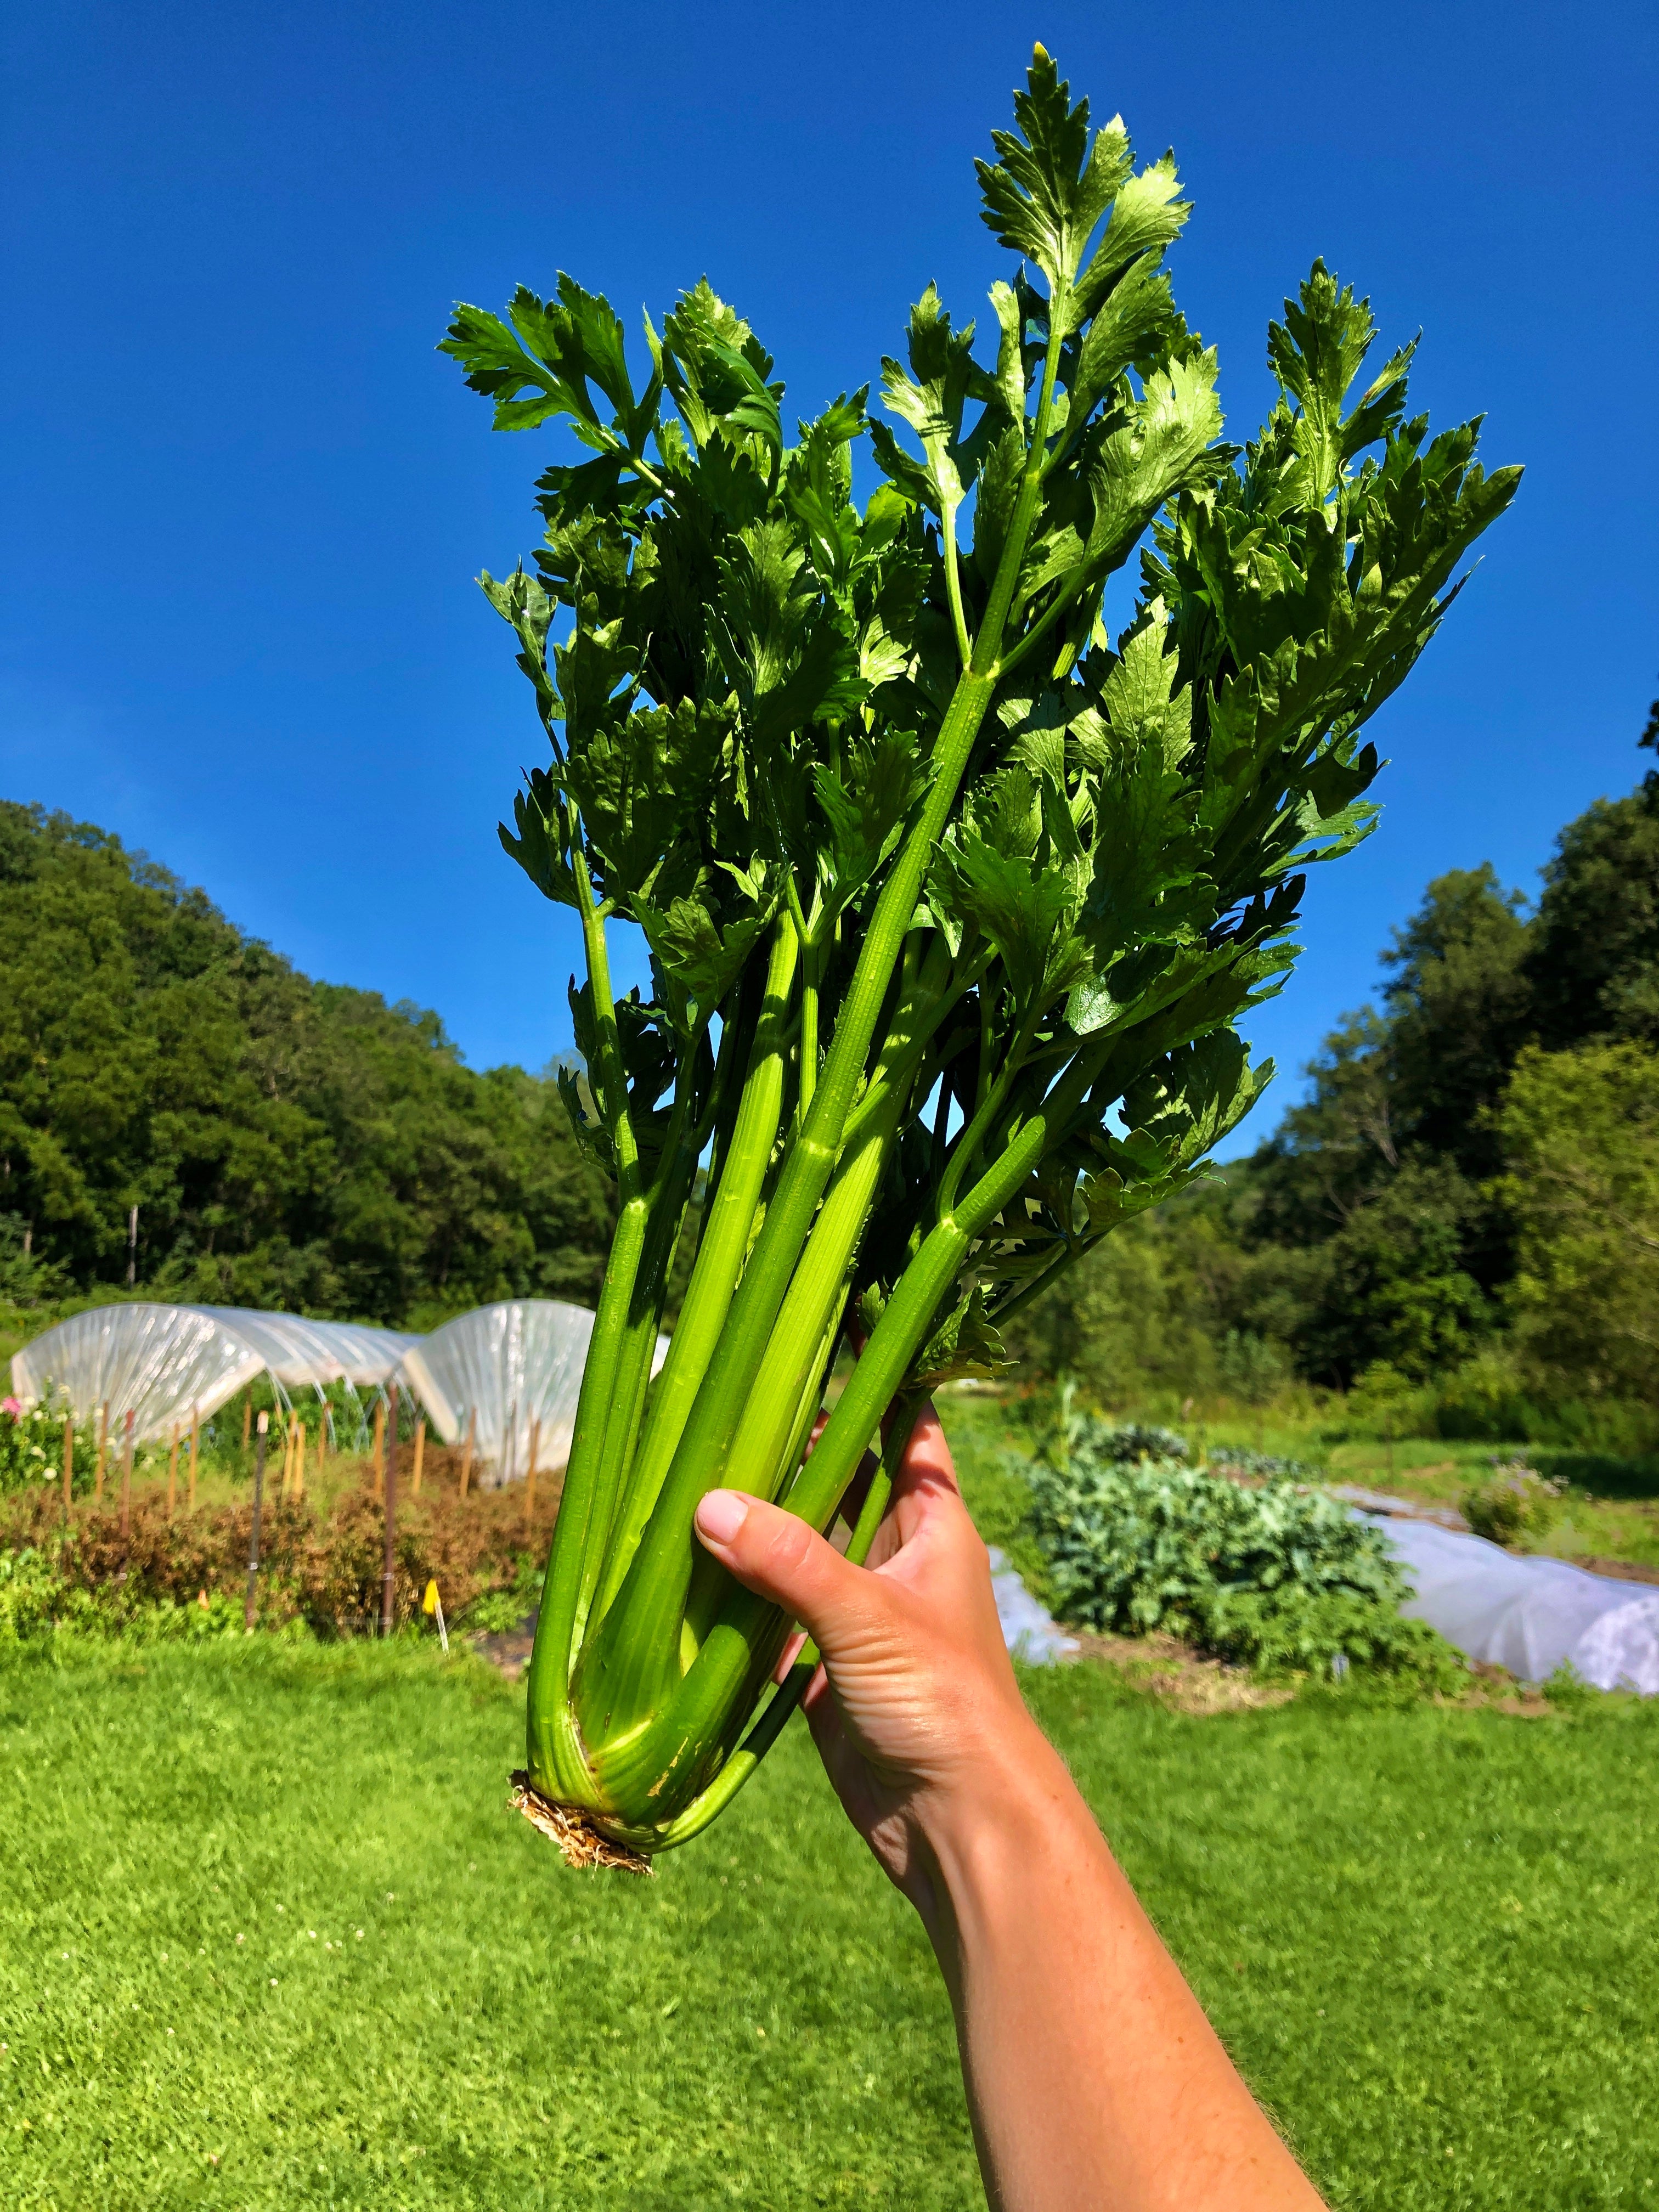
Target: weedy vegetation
column 157, row 1573
column 1514, row 1505
column 953, row 903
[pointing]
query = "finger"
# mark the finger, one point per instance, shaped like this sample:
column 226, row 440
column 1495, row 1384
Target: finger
column 927, row 1496
column 775, row 1554
column 857, row 1491
column 926, row 1460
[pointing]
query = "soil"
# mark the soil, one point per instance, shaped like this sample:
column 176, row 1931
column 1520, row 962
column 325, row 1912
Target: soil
column 1496, row 1689
column 1187, row 1682
column 511, row 1650
column 1178, row 1676
column 1175, row 1674
column 1621, row 1571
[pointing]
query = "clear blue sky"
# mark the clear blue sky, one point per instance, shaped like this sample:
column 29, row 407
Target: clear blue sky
column 244, row 498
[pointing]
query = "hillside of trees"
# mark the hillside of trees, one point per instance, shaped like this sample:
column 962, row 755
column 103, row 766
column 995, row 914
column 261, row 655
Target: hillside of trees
column 1467, row 1202
column 1464, row 1208
column 288, row 1143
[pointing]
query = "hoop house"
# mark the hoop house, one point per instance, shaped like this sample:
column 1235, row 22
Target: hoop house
column 167, row 1364
column 507, row 1370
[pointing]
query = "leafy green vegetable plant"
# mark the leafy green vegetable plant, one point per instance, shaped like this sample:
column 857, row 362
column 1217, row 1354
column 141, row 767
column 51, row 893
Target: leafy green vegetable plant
column 1278, row 1576
column 38, row 1604
column 952, row 903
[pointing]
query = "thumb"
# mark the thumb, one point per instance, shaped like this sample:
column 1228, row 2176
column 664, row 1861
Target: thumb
column 779, row 1557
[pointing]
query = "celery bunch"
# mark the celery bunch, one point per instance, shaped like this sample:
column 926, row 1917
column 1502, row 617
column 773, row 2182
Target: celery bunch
column 953, row 903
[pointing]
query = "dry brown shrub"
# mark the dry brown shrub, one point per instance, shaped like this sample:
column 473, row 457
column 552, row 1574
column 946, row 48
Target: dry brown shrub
column 322, row 1565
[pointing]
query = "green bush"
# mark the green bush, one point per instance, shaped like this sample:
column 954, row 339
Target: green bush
column 37, row 1603
column 1385, row 1403
column 1276, row 1576
column 1514, row 1505
column 1494, row 1399
column 31, row 1446
column 31, row 1592
column 500, row 1611
column 1486, row 1401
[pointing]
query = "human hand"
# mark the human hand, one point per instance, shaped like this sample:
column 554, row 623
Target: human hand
column 914, row 1708
column 1094, row 2082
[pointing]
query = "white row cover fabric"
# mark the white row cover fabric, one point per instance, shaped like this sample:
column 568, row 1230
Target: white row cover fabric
column 1029, row 1630
column 1529, row 1615
column 168, row 1364
column 504, row 1370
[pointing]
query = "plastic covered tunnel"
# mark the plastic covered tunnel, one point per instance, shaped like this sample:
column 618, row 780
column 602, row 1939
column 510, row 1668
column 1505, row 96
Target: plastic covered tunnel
column 168, row 1365
column 511, row 1373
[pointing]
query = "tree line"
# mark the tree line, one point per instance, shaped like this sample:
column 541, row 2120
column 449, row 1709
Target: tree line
column 287, row 1143
column 1467, row 1198
column 1466, row 1201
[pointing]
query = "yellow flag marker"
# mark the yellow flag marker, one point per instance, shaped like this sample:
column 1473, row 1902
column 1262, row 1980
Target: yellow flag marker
column 432, row 1603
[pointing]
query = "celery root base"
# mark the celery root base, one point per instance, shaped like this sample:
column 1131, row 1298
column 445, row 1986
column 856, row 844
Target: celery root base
column 578, row 1839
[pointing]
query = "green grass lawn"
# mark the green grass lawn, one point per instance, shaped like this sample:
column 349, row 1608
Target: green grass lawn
column 1428, row 1935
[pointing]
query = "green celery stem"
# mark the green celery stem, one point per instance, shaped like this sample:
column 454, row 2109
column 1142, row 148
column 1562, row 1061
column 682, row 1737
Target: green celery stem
column 637, row 1654
column 728, row 1223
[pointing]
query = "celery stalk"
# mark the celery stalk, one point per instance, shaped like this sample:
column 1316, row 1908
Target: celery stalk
column 953, row 902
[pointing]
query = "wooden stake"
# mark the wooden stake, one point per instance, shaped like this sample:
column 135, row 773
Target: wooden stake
column 420, row 1457
column 466, row 1455
column 530, row 1479
column 194, row 1441
column 69, row 1459
column 126, row 1477
column 379, row 1449
column 247, row 1418
column 254, row 1532
column 173, row 1471
column 301, row 1440
column 103, row 1446
column 389, row 1572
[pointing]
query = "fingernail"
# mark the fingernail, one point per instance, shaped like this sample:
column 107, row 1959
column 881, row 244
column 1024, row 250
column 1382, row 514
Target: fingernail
column 721, row 1514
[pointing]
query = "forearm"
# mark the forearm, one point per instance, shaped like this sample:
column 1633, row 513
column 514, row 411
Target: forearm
column 1095, row 2081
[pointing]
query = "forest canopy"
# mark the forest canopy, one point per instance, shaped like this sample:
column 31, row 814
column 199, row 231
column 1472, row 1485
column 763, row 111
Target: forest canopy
column 1467, row 1196
column 288, row 1143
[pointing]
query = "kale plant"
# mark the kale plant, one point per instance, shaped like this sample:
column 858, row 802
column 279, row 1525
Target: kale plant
column 1278, row 1575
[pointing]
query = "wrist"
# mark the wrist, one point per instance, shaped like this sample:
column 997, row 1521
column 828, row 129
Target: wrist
column 1014, row 1823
